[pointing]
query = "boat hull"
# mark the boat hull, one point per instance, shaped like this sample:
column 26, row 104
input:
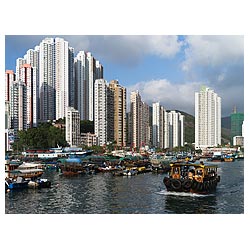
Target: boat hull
column 191, row 186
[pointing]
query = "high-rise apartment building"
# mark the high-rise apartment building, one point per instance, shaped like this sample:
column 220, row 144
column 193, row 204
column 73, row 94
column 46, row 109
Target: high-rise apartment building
column 158, row 118
column 138, row 121
column 18, row 106
column 61, row 76
column 207, row 118
column 100, row 111
column 175, row 129
column 71, row 80
column 47, row 88
column 87, row 70
column 26, row 76
column 9, row 78
column 116, row 113
column 73, row 136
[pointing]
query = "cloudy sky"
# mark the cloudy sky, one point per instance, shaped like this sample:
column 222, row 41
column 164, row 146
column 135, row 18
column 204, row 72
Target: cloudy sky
column 167, row 68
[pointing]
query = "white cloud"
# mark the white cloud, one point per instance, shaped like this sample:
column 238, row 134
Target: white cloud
column 171, row 96
column 128, row 49
column 212, row 51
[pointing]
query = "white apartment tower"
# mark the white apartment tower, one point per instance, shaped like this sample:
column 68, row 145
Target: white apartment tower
column 81, row 83
column 87, row 70
column 158, row 116
column 175, row 127
column 100, row 111
column 47, row 80
column 207, row 118
column 61, row 76
column 73, row 127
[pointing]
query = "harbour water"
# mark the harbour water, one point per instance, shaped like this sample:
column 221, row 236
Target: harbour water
column 104, row 193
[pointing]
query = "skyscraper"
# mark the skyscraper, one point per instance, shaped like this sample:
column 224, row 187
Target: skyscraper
column 18, row 106
column 61, row 76
column 9, row 78
column 87, row 70
column 100, row 111
column 26, row 76
column 116, row 113
column 207, row 118
column 47, row 88
column 158, row 125
column 139, row 136
column 175, row 127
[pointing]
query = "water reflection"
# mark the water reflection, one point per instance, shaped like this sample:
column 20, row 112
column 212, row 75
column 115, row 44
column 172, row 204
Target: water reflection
column 190, row 204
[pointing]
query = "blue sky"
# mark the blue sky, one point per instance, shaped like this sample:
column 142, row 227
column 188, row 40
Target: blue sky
column 167, row 68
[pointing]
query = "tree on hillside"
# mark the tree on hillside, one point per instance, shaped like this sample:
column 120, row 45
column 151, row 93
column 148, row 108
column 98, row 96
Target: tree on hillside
column 42, row 137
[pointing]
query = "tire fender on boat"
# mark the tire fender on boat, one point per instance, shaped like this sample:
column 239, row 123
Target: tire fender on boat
column 167, row 181
column 176, row 184
column 186, row 184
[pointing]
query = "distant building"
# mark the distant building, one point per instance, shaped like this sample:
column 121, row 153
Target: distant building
column 87, row 70
column 138, row 121
column 175, row 129
column 238, row 141
column 18, row 106
column 236, row 123
column 9, row 78
column 207, row 118
column 72, row 127
column 116, row 114
column 100, row 111
column 158, row 125
column 88, row 139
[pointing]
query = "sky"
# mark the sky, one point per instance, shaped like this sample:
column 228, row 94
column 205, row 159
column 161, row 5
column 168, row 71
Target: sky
column 164, row 68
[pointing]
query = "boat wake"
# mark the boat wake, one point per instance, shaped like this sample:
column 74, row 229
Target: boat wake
column 172, row 193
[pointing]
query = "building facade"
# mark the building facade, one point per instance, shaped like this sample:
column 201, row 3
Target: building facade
column 47, row 88
column 100, row 111
column 18, row 106
column 138, row 122
column 207, row 118
column 72, row 127
column 237, row 120
column 116, row 113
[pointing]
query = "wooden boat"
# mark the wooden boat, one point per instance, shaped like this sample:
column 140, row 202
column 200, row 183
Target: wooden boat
column 191, row 177
column 27, row 170
column 228, row 159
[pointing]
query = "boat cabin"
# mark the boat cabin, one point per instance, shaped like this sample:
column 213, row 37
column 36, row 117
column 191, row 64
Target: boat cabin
column 192, row 171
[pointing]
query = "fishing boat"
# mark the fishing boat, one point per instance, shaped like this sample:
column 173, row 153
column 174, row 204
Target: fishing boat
column 27, row 170
column 191, row 177
column 18, row 183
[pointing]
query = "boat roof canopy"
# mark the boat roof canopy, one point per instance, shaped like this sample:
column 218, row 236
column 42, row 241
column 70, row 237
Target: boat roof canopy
column 195, row 165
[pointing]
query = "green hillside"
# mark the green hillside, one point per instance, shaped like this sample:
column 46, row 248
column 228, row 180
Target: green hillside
column 189, row 125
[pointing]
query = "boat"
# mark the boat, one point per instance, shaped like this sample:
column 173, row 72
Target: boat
column 27, row 170
column 192, row 177
column 228, row 158
column 39, row 183
column 18, row 183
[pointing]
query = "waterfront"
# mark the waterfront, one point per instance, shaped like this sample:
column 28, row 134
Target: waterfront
column 104, row 193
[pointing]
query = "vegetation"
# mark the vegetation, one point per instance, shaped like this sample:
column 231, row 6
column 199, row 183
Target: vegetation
column 87, row 126
column 43, row 137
